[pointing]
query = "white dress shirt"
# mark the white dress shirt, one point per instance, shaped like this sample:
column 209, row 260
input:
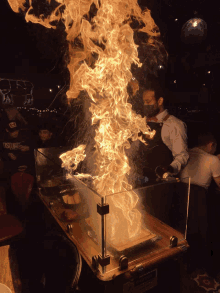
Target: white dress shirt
column 201, row 168
column 174, row 136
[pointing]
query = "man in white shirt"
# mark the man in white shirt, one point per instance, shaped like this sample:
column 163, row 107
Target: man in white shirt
column 202, row 167
column 167, row 152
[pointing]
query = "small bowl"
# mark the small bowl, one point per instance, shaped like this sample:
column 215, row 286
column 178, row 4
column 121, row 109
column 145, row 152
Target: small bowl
column 71, row 206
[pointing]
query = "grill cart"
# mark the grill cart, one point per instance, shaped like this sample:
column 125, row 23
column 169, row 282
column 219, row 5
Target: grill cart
column 131, row 240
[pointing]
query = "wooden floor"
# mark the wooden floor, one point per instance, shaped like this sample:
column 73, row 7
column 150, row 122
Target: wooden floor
column 9, row 274
column 196, row 282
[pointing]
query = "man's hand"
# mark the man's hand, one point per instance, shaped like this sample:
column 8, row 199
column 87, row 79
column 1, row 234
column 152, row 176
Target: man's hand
column 12, row 156
column 164, row 171
column 24, row 148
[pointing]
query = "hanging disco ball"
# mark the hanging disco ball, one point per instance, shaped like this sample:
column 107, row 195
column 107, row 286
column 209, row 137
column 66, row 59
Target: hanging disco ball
column 194, row 31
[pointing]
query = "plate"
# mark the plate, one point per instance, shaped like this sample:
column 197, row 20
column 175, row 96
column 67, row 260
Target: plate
column 4, row 289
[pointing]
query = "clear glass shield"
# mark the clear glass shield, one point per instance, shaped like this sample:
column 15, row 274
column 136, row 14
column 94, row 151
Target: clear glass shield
column 142, row 221
column 70, row 201
column 139, row 222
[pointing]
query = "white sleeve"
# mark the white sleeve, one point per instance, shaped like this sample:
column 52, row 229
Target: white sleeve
column 178, row 145
column 215, row 167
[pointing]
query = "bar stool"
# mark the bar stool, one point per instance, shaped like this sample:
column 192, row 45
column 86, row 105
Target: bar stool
column 10, row 228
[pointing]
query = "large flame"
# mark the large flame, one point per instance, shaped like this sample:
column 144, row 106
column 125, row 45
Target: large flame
column 102, row 67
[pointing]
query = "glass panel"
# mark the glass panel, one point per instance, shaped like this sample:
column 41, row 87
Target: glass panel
column 48, row 166
column 142, row 221
column 72, row 202
column 95, row 221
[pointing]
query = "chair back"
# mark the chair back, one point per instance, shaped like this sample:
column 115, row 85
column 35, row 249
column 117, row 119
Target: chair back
column 21, row 185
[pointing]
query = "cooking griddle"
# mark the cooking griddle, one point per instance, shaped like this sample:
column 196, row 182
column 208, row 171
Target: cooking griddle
column 145, row 236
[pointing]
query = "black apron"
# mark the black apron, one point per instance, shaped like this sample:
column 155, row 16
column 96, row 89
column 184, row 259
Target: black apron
column 197, row 224
column 198, row 234
column 154, row 154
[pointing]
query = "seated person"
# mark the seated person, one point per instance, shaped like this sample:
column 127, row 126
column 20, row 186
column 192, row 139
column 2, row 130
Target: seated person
column 202, row 167
column 17, row 149
column 19, row 166
column 46, row 138
column 11, row 113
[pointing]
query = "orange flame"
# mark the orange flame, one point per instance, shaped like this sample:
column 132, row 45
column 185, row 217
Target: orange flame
column 16, row 5
column 73, row 157
column 102, row 67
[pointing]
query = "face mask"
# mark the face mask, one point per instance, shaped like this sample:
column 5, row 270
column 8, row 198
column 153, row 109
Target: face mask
column 151, row 110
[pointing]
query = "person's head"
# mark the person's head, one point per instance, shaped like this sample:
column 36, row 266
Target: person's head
column 153, row 98
column 12, row 129
column 207, row 142
column 45, row 133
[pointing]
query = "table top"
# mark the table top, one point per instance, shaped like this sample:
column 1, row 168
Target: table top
column 87, row 247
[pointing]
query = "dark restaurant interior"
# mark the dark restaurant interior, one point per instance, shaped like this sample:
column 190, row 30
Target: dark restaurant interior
column 43, row 249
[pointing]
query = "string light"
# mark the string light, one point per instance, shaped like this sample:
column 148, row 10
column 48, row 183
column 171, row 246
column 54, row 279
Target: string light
column 50, row 90
column 175, row 81
column 176, row 19
column 195, row 23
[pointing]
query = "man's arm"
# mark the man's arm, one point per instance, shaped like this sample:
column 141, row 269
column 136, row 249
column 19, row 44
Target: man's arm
column 215, row 169
column 217, row 181
column 7, row 155
column 4, row 151
column 175, row 138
